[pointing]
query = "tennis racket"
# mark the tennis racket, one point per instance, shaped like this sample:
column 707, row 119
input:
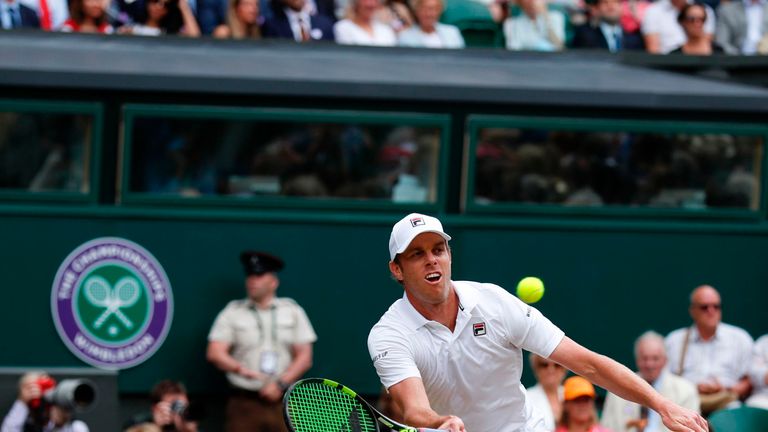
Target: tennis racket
column 322, row 405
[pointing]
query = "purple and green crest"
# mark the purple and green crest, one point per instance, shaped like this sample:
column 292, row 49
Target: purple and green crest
column 112, row 303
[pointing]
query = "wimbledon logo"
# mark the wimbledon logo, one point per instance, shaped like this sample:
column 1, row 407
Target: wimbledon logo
column 111, row 303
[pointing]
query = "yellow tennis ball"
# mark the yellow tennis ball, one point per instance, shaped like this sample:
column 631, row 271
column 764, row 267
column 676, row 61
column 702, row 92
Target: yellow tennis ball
column 530, row 289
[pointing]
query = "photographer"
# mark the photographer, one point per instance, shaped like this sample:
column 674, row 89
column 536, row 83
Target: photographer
column 170, row 409
column 32, row 412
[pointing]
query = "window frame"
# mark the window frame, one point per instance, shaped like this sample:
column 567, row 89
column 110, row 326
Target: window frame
column 477, row 122
column 92, row 157
column 125, row 196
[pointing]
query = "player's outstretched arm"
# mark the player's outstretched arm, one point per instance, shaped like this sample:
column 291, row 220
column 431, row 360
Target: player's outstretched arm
column 409, row 395
column 621, row 381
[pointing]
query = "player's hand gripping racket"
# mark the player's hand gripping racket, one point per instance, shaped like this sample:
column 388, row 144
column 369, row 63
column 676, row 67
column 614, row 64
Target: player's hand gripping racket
column 321, row 405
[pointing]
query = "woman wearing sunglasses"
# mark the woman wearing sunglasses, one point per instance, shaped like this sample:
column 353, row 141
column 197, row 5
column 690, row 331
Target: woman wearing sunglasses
column 692, row 18
column 547, row 394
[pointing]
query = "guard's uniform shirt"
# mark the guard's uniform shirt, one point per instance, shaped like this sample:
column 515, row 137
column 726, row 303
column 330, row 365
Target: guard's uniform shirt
column 261, row 339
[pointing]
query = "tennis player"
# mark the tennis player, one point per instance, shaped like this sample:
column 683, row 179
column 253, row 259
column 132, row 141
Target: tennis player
column 450, row 352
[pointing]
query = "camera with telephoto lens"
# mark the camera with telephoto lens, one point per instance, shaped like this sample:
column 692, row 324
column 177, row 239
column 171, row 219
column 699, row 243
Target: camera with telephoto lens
column 70, row 394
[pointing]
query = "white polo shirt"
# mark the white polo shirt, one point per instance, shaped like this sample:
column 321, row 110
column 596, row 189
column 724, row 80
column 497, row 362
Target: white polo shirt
column 725, row 358
column 475, row 371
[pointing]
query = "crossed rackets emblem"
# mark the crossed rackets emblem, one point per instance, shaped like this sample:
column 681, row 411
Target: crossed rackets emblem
column 101, row 294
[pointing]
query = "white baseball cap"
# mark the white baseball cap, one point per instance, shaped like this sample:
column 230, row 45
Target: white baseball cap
column 408, row 228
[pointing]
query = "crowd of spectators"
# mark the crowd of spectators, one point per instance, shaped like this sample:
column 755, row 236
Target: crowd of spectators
column 573, row 168
column 658, row 27
column 706, row 366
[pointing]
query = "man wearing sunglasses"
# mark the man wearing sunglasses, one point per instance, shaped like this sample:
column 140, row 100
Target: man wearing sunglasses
column 713, row 355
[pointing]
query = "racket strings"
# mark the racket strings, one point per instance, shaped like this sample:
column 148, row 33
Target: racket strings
column 316, row 407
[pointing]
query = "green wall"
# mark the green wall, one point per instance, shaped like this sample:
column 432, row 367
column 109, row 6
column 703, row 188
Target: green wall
column 606, row 281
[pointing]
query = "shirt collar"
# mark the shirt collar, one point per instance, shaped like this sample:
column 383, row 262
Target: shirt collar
column 293, row 15
column 749, row 3
column 467, row 301
column 697, row 336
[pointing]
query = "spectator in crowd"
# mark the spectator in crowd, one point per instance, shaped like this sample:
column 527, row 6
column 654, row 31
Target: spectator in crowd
column 31, row 413
column 547, row 395
column 87, row 16
column 604, row 30
column 536, row 28
column 651, row 360
column 51, row 13
column 662, row 31
column 759, row 374
column 632, row 13
column 396, row 14
column 14, row 15
column 430, row 33
column 169, row 409
column 261, row 360
column 166, row 17
column 713, row 355
column 579, row 413
column 741, row 24
column 211, row 14
column 692, row 18
column 291, row 20
column 361, row 28
column 243, row 21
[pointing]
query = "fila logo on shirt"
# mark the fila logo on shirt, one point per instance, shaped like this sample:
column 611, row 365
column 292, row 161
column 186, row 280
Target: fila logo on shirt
column 478, row 329
column 417, row 221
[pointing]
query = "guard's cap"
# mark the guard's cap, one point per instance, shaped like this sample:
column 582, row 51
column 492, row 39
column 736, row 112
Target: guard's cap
column 258, row 263
column 408, row 228
column 576, row 387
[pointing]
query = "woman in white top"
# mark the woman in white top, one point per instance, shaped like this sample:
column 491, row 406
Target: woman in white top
column 536, row 28
column 360, row 27
column 429, row 33
column 547, row 395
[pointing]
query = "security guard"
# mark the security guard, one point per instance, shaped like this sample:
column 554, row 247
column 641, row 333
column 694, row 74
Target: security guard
column 263, row 343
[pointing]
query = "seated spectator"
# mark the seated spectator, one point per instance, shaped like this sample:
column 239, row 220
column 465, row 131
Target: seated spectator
column 579, row 413
column 759, row 374
column 291, row 20
column 171, row 17
column 713, row 355
column 14, row 15
column 361, row 28
column 396, row 14
column 651, row 360
column 632, row 13
column 662, row 31
column 52, row 16
column 87, row 16
column 430, row 33
column 547, row 395
column 741, row 24
column 604, row 30
column 692, row 19
column 169, row 409
column 210, row 14
column 536, row 28
column 242, row 21
column 32, row 413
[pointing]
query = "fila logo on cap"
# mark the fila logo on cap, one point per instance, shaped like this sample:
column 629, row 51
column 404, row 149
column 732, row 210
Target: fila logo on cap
column 478, row 329
column 417, row 221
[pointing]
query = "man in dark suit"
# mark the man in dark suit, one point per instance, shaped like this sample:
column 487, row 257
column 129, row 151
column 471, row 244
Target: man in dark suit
column 291, row 19
column 15, row 15
column 604, row 30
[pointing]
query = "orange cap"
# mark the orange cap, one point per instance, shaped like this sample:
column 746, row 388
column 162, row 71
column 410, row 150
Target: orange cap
column 576, row 386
